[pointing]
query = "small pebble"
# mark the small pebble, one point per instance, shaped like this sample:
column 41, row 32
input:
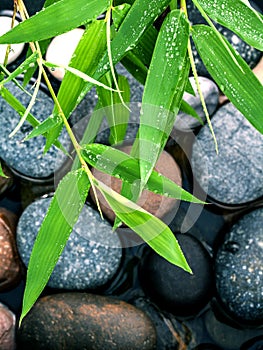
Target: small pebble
column 7, row 329
column 26, row 157
column 239, row 269
column 61, row 49
column 92, row 254
column 172, row 288
column 84, row 321
column 15, row 49
column 234, row 175
column 211, row 96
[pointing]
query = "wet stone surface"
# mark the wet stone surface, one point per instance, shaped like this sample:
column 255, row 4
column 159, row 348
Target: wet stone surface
column 92, row 254
column 239, row 269
column 247, row 52
column 7, row 329
column 234, row 176
column 174, row 289
column 26, row 157
column 84, row 321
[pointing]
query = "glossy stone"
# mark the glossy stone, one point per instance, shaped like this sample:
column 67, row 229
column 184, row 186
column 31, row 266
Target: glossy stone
column 92, row 254
column 234, row 175
column 85, row 322
column 10, row 267
column 155, row 204
column 210, row 93
column 239, row 269
column 26, row 157
column 7, row 329
column 253, row 344
column 173, row 289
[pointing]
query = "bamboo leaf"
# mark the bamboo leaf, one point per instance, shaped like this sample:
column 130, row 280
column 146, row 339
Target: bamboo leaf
column 231, row 73
column 78, row 11
column 2, row 172
column 152, row 230
column 170, row 69
column 188, row 109
column 121, row 165
column 62, row 214
column 88, row 52
column 238, row 16
column 44, row 127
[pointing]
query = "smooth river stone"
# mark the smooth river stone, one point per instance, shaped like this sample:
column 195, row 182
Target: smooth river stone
column 234, row 175
column 84, row 321
column 7, row 329
column 91, row 256
column 239, row 269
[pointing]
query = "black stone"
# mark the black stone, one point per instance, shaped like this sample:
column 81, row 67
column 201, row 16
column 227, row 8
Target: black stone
column 239, row 269
column 207, row 346
column 253, row 344
column 172, row 288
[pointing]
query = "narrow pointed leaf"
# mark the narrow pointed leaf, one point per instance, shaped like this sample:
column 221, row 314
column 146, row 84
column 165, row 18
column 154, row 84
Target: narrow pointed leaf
column 2, row 172
column 78, row 11
column 165, row 85
column 231, row 73
column 44, row 127
column 188, row 109
column 152, row 230
column 238, row 16
column 121, row 165
column 62, row 214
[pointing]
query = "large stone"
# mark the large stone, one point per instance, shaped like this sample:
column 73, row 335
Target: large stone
column 91, row 256
column 10, row 267
column 5, row 182
column 73, row 321
column 7, row 329
column 155, row 204
column 174, row 289
column 239, row 269
column 26, row 157
column 234, row 175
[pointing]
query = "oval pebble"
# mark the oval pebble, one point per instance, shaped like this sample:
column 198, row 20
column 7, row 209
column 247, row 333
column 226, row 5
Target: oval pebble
column 91, row 256
column 234, row 175
column 239, row 269
column 84, row 321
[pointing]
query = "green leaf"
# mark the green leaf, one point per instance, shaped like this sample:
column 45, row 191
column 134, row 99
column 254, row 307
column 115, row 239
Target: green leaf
column 116, row 114
column 62, row 214
column 238, row 16
column 152, row 230
column 188, row 109
column 231, row 73
column 119, row 13
column 64, row 15
column 88, row 52
column 164, row 88
column 2, row 172
column 121, row 165
column 44, row 127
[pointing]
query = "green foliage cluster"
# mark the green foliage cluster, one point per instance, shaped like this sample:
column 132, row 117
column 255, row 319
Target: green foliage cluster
column 159, row 59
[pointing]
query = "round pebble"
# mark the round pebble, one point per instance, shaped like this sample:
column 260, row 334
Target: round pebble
column 26, row 157
column 234, row 176
column 61, row 49
column 239, row 269
column 211, row 95
column 174, row 289
column 253, row 344
column 91, row 256
column 15, row 49
column 247, row 52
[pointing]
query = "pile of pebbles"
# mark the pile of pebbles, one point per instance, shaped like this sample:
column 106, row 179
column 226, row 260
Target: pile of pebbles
column 107, row 294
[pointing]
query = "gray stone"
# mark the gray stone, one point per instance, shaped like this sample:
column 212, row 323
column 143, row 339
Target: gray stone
column 92, row 254
column 239, row 269
column 234, row 176
column 7, row 328
column 26, row 157
column 211, row 95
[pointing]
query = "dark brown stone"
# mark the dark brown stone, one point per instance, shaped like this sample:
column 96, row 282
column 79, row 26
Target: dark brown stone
column 83, row 321
column 155, row 204
column 10, row 266
column 7, row 329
